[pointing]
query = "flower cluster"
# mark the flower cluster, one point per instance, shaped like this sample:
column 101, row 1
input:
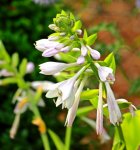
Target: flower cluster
column 69, row 39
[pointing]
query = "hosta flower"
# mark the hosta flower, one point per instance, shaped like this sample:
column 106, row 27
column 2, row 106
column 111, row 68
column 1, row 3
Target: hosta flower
column 44, row 44
column 80, row 60
column 99, row 120
column 105, row 73
column 106, row 76
column 51, row 48
column 65, row 91
column 72, row 111
column 50, row 68
column 43, row 84
column 94, row 53
column 114, row 110
column 30, row 67
column 5, row 73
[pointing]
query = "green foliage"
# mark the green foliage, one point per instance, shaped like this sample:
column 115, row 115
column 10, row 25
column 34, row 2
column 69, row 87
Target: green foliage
column 91, row 39
column 110, row 61
column 56, row 139
column 131, row 133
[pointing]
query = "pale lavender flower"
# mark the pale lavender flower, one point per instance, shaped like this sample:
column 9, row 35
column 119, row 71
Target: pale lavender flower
column 94, row 53
column 80, row 60
column 99, row 120
column 30, row 67
column 50, row 52
column 50, row 68
column 114, row 110
column 53, row 38
column 72, row 111
column 65, row 49
column 105, row 73
column 106, row 76
column 5, row 73
column 84, row 50
column 45, row 44
column 65, row 91
column 132, row 108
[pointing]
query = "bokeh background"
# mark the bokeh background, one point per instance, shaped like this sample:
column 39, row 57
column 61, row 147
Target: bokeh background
column 117, row 23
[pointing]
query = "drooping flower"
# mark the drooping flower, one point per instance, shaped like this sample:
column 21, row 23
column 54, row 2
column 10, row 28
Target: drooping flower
column 99, row 120
column 105, row 73
column 72, row 111
column 65, row 91
column 114, row 110
column 106, row 76
column 50, row 68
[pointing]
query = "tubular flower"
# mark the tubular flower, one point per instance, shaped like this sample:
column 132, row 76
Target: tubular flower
column 50, row 68
column 114, row 110
column 99, row 121
column 65, row 91
column 106, row 76
column 72, row 111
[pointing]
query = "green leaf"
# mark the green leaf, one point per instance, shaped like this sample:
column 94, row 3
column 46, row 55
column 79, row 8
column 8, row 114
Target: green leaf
column 22, row 67
column 3, row 53
column 77, row 25
column 63, row 13
column 89, row 94
column 57, row 141
column 131, row 130
column 110, row 61
column 91, row 39
column 85, row 36
column 10, row 80
column 15, row 59
column 85, row 110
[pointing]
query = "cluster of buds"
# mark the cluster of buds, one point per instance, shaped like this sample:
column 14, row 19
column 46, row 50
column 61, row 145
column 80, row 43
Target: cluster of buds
column 69, row 39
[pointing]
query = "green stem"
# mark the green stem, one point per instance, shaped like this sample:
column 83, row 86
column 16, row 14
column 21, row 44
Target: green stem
column 121, row 134
column 68, row 138
column 44, row 136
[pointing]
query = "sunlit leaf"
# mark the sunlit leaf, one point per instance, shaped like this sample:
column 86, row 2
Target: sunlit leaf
column 85, row 110
column 110, row 61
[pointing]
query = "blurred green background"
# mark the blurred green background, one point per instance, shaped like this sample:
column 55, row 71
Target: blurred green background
column 24, row 22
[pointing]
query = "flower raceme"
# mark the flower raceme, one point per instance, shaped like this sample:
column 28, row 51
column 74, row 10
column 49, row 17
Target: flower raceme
column 65, row 91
